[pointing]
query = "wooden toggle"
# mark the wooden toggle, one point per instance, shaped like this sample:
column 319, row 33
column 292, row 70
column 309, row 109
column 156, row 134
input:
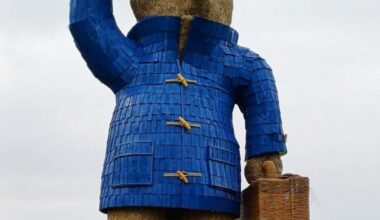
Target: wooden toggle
column 182, row 122
column 181, row 79
column 182, row 175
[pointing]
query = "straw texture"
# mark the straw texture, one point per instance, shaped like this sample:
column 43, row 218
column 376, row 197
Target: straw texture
column 185, row 27
column 144, row 8
column 255, row 168
column 163, row 214
column 203, row 215
column 136, row 214
column 214, row 10
column 278, row 198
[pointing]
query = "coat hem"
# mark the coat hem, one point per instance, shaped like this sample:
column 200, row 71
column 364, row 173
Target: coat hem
column 218, row 205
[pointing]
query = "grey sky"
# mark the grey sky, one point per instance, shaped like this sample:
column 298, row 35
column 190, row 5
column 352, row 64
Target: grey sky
column 54, row 115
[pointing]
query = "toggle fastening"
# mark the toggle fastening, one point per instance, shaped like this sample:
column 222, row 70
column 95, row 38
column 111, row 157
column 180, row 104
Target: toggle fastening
column 182, row 80
column 286, row 138
column 182, row 175
column 182, row 122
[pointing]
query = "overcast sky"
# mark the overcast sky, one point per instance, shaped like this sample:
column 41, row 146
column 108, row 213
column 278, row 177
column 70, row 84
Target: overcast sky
column 54, row 115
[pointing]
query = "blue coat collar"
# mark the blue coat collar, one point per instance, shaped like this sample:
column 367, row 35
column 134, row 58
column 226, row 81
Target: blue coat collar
column 202, row 32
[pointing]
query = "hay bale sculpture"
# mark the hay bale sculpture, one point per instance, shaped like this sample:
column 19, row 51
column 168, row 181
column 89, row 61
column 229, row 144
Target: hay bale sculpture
column 171, row 150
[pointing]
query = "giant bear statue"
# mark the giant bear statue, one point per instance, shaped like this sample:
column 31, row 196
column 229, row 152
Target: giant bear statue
column 177, row 76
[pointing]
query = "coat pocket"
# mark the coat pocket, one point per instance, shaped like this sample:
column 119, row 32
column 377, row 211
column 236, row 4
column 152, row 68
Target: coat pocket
column 133, row 165
column 224, row 168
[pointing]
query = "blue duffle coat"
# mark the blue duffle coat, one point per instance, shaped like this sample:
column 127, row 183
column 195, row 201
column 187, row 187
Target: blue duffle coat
column 171, row 140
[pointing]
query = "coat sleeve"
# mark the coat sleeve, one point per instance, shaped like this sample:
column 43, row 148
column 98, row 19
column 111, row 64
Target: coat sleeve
column 108, row 53
column 256, row 96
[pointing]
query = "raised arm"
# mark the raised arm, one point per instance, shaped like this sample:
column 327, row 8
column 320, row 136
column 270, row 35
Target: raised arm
column 108, row 53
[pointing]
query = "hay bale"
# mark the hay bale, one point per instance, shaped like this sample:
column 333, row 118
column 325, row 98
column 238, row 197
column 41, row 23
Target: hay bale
column 136, row 213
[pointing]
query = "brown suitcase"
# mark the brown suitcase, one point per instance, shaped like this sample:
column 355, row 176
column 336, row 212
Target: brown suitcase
column 277, row 198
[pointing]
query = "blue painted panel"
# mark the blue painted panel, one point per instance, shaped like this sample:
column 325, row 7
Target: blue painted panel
column 134, row 165
column 223, row 168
